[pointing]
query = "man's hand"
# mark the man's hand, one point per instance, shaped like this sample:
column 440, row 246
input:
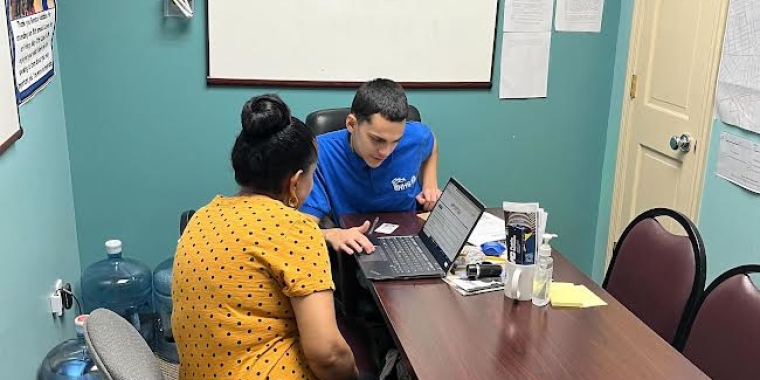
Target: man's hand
column 351, row 240
column 428, row 197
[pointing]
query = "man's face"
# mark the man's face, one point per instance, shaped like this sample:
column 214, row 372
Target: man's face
column 374, row 140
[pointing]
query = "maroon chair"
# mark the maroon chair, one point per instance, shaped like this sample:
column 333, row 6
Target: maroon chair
column 657, row 275
column 724, row 337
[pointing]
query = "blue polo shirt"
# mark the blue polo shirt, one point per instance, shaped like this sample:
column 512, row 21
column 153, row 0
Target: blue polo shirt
column 345, row 184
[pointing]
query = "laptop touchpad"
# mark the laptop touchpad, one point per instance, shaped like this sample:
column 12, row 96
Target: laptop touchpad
column 378, row 255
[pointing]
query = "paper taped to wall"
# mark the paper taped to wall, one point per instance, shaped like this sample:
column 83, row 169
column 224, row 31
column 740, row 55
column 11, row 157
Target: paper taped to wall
column 739, row 161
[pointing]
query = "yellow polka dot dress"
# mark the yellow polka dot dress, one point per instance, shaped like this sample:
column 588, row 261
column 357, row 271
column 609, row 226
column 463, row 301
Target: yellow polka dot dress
column 237, row 263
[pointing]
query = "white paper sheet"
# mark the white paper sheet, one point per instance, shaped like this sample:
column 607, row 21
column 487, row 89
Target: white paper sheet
column 489, row 228
column 386, row 228
column 739, row 161
column 579, row 15
column 738, row 94
column 528, row 15
column 524, row 65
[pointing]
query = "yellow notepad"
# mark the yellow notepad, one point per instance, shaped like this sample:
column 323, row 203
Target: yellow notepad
column 589, row 298
column 564, row 294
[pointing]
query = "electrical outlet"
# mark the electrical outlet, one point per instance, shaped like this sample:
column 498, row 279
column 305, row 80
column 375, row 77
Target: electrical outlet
column 56, row 299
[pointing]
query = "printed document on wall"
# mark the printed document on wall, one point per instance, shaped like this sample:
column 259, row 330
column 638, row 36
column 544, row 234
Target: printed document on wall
column 579, row 15
column 524, row 65
column 737, row 97
column 32, row 27
column 739, row 161
column 528, row 15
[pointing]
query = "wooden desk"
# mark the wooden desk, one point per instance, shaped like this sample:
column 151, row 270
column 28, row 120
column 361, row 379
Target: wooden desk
column 443, row 335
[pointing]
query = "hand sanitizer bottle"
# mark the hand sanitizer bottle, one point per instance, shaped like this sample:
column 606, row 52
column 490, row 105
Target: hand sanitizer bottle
column 543, row 278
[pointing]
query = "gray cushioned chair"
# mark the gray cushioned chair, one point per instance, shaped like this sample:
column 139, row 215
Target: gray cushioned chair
column 118, row 349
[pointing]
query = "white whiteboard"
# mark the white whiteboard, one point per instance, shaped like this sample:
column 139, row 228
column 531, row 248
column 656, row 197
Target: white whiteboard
column 10, row 128
column 435, row 43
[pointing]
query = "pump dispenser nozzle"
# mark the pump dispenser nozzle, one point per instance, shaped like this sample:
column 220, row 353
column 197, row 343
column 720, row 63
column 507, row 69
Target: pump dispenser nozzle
column 546, row 249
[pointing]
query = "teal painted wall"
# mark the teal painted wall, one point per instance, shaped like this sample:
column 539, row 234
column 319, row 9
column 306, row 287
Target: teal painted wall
column 149, row 139
column 37, row 235
column 612, row 136
column 728, row 218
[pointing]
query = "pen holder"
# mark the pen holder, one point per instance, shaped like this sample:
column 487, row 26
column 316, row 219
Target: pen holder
column 518, row 281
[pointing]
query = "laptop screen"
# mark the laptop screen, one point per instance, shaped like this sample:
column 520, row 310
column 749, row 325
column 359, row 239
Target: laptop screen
column 454, row 217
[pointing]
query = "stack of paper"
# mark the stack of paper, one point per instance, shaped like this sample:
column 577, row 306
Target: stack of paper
column 564, row 294
column 489, row 228
column 469, row 287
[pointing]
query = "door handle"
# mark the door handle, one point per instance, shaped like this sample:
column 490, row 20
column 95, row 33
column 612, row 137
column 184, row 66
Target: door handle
column 682, row 143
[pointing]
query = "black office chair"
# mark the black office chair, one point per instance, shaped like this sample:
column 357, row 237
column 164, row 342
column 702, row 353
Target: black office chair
column 334, row 119
column 184, row 219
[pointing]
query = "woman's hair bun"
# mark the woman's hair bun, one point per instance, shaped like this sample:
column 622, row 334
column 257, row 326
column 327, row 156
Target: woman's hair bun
column 264, row 116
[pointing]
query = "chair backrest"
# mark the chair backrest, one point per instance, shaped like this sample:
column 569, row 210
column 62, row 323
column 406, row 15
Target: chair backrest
column 184, row 219
column 724, row 338
column 118, row 349
column 334, row 119
column 657, row 275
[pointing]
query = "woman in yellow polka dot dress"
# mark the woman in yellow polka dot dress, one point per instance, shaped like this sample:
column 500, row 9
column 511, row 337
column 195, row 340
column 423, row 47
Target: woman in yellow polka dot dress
column 252, row 289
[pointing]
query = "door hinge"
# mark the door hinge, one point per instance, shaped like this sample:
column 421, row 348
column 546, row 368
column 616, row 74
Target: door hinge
column 634, row 83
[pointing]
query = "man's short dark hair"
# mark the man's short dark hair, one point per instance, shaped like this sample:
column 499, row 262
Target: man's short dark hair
column 382, row 96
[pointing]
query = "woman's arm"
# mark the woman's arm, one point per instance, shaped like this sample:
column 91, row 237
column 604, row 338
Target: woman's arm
column 328, row 354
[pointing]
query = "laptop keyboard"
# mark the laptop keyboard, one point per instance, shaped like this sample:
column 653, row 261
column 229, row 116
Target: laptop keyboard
column 406, row 256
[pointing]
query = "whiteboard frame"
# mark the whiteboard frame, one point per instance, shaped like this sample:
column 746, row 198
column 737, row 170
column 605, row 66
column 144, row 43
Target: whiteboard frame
column 217, row 81
column 4, row 145
column 11, row 140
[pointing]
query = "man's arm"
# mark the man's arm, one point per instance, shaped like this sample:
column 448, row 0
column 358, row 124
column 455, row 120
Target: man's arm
column 350, row 240
column 429, row 172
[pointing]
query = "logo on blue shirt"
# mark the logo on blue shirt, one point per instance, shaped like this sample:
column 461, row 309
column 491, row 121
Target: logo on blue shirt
column 401, row 184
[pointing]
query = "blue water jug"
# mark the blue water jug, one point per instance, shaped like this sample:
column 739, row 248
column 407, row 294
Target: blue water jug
column 70, row 360
column 162, row 295
column 122, row 285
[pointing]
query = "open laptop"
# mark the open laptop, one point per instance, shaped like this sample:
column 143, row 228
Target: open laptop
column 432, row 251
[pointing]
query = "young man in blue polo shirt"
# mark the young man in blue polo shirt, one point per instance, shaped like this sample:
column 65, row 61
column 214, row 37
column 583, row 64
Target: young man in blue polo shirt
column 380, row 163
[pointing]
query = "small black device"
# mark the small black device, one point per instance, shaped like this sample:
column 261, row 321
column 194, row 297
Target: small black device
column 481, row 270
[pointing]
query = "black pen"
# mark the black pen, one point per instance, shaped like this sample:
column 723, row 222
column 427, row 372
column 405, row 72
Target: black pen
column 374, row 224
